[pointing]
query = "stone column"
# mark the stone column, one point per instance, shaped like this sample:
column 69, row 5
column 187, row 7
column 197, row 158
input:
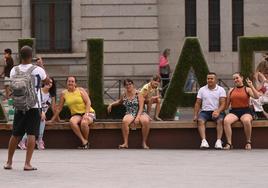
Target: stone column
column 25, row 19
column 76, row 26
column 202, row 23
column 226, row 26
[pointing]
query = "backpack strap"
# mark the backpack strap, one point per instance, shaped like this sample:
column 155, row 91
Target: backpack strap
column 17, row 70
column 30, row 70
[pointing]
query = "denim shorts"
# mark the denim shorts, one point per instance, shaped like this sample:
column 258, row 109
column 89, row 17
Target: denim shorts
column 207, row 116
column 239, row 112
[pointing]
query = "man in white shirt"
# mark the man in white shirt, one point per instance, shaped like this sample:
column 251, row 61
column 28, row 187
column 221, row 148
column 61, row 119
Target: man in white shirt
column 26, row 121
column 211, row 99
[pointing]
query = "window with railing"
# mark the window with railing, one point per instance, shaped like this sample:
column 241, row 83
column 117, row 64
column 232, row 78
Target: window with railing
column 238, row 21
column 51, row 25
column 214, row 26
column 190, row 18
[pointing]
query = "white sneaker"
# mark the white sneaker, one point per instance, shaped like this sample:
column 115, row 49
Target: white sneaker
column 218, row 144
column 204, row 144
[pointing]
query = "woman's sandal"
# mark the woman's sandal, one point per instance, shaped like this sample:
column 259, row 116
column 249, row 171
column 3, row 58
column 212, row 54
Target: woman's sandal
column 84, row 146
column 122, row 147
column 248, row 145
column 228, row 146
column 7, row 167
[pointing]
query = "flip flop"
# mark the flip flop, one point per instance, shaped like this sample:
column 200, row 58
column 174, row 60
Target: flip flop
column 122, row 147
column 8, row 167
column 30, row 169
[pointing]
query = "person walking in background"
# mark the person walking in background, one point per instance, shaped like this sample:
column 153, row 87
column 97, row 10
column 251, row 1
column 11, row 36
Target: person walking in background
column 9, row 63
column 164, row 70
column 135, row 114
column 83, row 115
column 48, row 98
column 238, row 99
column 211, row 98
column 26, row 120
column 150, row 92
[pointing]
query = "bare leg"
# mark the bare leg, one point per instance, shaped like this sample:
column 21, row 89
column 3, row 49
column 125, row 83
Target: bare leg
column 246, row 119
column 12, row 145
column 228, row 121
column 127, row 120
column 76, row 129
column 145, row 123
column 29, row 152
column 85, row 123
column 7, row 92
column 219, row 129
column 157, row 108
column 202, row 129
column 149, row 103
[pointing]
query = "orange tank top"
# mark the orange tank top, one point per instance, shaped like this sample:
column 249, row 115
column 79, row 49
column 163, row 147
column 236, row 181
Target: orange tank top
column 239, row 98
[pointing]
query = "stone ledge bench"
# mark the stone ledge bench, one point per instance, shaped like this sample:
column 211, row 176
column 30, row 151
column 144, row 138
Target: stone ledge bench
column 163, row 135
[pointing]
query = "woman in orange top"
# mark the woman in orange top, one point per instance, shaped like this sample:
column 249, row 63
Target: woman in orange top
column 238, row 100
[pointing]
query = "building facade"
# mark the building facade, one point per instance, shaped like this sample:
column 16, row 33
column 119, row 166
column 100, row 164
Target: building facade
column 135, row 32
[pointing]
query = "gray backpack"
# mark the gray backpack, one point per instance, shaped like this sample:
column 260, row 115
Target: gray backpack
column 23, row 89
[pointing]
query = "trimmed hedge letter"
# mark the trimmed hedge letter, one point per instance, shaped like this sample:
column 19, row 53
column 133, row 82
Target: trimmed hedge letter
column 247, row 47
column 95, row 76
column 191, row 56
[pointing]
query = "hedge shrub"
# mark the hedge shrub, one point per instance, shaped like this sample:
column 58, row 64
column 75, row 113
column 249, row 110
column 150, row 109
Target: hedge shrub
column 95, row 75
column 26, row 41
column 191, row 56
column 247, row 47
column 95, row 81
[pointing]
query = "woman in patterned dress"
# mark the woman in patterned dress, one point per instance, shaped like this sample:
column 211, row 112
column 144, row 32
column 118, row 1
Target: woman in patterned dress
column 135, row 114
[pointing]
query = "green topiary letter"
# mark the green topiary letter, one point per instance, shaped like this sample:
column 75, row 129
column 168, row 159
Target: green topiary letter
column 95, row 75
column 247, row 47
column 26, row 41
column 191, row 56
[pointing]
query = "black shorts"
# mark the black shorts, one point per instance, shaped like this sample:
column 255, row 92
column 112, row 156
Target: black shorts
column 27, row 122
column 239, row 112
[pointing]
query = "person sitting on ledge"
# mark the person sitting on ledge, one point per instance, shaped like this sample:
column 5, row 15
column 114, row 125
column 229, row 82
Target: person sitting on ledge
column 238, row 99
column 212, row 98
column 262, row 87
column 133, row 102
column 150, row 92
column 83, row 115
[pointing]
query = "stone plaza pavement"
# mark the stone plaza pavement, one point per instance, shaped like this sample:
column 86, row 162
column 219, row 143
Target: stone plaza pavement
column 139, row 168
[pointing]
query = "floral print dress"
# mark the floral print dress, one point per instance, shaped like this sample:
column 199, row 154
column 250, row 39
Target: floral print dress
column 131, row 105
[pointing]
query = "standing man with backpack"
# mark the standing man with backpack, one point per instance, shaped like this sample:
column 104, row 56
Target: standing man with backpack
column 25, row 86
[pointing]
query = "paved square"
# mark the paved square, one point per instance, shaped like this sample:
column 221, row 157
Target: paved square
column 139, row 168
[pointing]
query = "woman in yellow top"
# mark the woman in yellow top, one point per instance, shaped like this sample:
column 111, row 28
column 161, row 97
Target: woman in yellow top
column 83, row 115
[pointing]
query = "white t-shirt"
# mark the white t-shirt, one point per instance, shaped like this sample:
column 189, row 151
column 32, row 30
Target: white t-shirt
column 210, row 97
column 38, row 72
column 46, row 101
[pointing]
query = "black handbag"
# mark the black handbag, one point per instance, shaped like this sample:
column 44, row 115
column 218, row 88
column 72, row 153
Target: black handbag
column 165, row 70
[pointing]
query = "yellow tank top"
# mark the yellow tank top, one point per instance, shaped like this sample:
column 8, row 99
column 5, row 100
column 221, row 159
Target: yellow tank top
column 75, row 102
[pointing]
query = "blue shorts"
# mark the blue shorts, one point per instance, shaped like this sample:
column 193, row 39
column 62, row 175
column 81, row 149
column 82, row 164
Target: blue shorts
column 239, row 112
column 207, row 116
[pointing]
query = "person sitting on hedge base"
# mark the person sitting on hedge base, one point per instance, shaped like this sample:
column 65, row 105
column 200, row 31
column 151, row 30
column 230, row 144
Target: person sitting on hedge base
column 238, row 99
column 83, row 115
column 150, row 92
column 135, row 114
column 212, row 98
